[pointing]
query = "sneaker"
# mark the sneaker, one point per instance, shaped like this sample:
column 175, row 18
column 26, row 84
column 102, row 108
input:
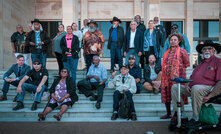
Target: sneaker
column 114, row 116
column 98, row 105
column 93, row 98
column 166, row 116
column 34, row 106
column 42, row 116
column 19, row 105
column 134, row 117
column 3, row 98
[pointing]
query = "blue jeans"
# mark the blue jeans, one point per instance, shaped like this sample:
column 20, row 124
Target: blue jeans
column 39, row 55
column 6, row 85
column 31, row 88
column 116, row 52
column 71, row 64
column 132, row 52
column 139, row 87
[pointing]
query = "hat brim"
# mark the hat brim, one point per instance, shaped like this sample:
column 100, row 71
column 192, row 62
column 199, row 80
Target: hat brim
column 93, row 23
column 199, row 47
column 115, row 20
column 35, row 21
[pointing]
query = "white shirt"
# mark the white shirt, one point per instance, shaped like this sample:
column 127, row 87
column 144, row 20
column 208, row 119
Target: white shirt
column 132, row 36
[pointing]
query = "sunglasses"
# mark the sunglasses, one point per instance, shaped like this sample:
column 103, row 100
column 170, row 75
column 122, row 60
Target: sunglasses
column 69, row 38
column 36, row 63
column 207, row 48
column 63, row 71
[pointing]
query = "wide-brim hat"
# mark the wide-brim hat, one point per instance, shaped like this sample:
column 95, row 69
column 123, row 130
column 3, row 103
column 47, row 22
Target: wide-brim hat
column 92, row 21
column 217, row 46
column 115, row 19
column 35, row 20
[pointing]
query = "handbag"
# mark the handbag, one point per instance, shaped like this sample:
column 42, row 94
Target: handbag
column 208, row 114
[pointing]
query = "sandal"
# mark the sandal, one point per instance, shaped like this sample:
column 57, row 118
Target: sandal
column 57, row 117
column 42, row 116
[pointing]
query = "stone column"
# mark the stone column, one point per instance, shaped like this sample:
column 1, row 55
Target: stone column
column 146, row 12
column 69, row 12
column 189, row 27
column 1, row 35
column 137, row 7
column 84, row 11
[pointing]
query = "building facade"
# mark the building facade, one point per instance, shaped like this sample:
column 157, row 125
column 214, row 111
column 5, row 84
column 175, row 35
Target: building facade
column 198, row 19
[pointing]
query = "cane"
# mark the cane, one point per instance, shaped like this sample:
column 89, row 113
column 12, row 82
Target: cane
column 180, row 80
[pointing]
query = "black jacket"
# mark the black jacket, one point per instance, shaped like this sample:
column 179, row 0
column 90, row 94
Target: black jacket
column 44, row 38
column 120, row 37
column 138, row 41
column 74, row 48
column 70, row 85
column 141, row 27
column 146, row 71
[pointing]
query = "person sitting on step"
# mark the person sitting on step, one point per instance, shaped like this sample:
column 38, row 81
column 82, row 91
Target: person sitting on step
column 20, row 69
column 63, row 94
column 152, row 74
column 97, row 75
column 123, row 82
column 136, row 72
column 38, row 77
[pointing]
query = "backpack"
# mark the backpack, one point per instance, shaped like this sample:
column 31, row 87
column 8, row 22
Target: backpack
column 124, row 108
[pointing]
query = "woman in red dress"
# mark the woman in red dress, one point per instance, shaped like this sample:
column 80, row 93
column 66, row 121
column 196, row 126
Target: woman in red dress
column 175, row 62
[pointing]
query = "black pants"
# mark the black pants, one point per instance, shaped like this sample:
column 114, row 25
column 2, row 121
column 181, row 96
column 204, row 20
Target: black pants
column 89, row 60
column 59, row 60
column 118, row 96
column 96, row 86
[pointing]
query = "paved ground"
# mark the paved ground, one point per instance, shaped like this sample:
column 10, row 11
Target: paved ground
column 89, row 128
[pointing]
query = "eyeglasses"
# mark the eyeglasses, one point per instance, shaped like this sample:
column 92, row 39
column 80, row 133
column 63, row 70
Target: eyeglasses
column 63, row 71
column 36, row 63
column 207, row 48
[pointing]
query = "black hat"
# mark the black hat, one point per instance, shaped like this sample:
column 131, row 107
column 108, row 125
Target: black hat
column 132, row 56
column 35, row 20
column 124, row 66
column 37, row 60
column 115, row 19
column 92, row 21
column 174, row 25
column 217, row 46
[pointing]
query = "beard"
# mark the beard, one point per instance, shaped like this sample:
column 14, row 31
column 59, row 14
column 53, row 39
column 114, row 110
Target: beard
column 206, row 56
column 92, row 29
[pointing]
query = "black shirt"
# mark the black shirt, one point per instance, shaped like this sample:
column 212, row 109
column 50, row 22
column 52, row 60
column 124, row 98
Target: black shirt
column 136, row 72
column 36, row 77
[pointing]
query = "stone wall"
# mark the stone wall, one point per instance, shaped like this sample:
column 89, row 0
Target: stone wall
column 13, row 12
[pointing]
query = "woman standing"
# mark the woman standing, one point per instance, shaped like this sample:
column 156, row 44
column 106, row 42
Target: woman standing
column 63, row 93
column 70, row 48
column 56, row 49
column 175, row 62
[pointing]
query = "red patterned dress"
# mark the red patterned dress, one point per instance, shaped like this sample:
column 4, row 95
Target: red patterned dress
column 174, row 64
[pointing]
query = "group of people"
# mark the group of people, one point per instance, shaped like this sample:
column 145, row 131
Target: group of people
column 140, row 46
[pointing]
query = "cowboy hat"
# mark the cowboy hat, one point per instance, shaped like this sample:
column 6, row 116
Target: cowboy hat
column 92, row 21
column 217, row 46
column 115, row 19
column 35, row 20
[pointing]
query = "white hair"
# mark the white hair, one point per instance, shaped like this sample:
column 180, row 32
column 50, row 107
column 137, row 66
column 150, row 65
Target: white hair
column 133, row 21
column 97, row 57
column 41, row 29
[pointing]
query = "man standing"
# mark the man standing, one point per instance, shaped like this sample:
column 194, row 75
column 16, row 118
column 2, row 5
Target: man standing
column 152, row 75
column 20, row 70
column 38, row 42
column 38, row 81
column 123, row 82
column 93, row 42
column 97, row 75
column 85, row 28
column 206, row 81
column 152, row 42
column 115, row 43
column 133, row 43
column 161, row 28
column 18, row 44
column 183, row 44
column 135, row 71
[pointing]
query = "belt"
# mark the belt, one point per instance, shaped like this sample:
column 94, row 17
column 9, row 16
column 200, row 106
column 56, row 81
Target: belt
column 131, row 48
column 114, row 42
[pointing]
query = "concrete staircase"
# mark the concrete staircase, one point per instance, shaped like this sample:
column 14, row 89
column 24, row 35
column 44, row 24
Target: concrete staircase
column 148, row 106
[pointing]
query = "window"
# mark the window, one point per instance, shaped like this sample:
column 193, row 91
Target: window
column 205, row 30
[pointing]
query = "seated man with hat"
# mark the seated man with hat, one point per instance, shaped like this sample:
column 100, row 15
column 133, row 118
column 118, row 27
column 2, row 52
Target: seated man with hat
column 123, row 82
column 206, row 81
column 38, row 78
column 115, row 43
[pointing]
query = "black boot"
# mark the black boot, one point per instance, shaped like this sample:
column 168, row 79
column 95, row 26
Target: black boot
column 19, row 105
column 34, row 106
